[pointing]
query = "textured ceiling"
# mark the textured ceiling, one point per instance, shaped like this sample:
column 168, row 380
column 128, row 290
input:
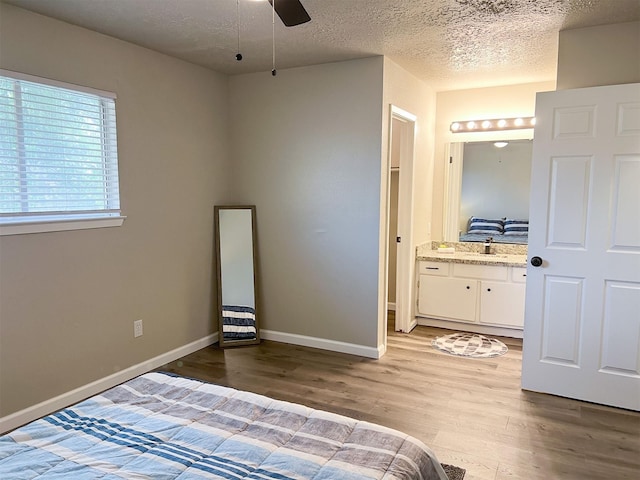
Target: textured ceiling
column 451, row 44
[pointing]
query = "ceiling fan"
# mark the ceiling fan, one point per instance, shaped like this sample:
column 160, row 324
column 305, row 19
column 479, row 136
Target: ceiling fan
column 291, row 12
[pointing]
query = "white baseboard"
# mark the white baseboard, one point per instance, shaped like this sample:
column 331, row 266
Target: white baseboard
column 413, row 324
column 34, row 412
column 323, row 343
column 470, row 327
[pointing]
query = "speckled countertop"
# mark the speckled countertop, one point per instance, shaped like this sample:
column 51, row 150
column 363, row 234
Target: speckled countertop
column 471, row 253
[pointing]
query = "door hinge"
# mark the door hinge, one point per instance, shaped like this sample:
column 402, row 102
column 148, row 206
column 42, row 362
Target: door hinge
column 398, row 239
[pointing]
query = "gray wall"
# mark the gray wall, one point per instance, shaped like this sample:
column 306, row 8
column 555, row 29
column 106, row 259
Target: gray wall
column 602, row 55
column 495, row 181
column 68, row 299
column 307, row 149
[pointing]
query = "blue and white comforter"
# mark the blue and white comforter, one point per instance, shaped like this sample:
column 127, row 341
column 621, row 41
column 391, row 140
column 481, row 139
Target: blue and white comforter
column 238, row 322
column 160, row 426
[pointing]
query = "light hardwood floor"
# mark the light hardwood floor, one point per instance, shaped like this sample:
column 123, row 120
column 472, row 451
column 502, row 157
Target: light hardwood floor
column 471, row 412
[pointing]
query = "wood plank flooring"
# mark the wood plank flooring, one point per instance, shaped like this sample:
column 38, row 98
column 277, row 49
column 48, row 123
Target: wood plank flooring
column 471, row 412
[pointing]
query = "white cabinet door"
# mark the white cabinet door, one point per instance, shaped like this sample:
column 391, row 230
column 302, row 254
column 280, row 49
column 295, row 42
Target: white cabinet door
column 502, row 303
column 582, row 327
column 448, row 297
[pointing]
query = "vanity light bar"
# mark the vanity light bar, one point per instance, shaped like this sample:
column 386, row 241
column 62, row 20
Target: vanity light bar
column 493, row 124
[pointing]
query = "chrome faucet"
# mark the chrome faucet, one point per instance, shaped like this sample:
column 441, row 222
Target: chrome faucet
column 487, row 245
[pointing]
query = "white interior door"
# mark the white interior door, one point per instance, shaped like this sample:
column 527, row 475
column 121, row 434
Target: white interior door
column 582, row 320
column 405, row 122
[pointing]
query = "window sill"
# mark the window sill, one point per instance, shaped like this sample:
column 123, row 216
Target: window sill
column 59, row 225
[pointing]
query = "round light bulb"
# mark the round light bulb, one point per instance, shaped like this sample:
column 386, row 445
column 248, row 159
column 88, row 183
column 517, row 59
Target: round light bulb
column 502, row 123
column 455, row 126
column 486, row 124
column 471, row 125
column 518, row 122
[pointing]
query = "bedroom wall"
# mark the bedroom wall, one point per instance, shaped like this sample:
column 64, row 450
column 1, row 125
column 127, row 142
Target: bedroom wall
column 472, row 104
column 68, row 299
column 307, row 147
column 602, row 55
column 406, row 91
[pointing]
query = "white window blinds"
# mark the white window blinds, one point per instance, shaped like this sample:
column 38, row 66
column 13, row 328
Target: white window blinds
column 58, row 151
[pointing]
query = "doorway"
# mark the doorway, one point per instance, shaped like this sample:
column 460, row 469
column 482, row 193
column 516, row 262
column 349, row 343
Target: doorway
column 399, row 214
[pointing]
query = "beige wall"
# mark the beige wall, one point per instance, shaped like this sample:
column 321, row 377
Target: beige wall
column 406, row 91
column 68, row 299
column 412, row 95
column 472, row 104
column 602, row 55
column 306, row 148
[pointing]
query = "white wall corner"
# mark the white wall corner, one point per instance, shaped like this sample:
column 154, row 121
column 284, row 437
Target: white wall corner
column 41, row 409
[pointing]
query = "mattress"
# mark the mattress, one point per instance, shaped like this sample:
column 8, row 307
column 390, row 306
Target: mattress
column 481, row 237
column 238, row 322
column 162, row 426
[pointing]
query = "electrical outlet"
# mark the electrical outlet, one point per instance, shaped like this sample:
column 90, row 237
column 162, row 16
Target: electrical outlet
column 137, row 328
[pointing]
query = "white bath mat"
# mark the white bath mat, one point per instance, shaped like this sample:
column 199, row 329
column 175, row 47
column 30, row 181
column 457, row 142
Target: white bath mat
column 465, row 344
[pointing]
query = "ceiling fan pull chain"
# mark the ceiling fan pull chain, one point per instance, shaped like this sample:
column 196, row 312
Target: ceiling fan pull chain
column 238, row 55
column 273, row 37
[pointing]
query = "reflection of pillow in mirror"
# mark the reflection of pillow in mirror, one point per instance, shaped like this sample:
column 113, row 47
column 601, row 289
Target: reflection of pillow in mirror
column 484, row 225
column 516, row 227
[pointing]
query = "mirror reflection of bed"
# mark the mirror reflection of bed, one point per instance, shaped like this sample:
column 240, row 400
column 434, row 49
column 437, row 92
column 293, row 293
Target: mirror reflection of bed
column 490, row 180
column 236, row 268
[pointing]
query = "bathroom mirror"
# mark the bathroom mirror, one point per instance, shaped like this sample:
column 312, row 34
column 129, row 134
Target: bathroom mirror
column 236, row 249
column 488, row 180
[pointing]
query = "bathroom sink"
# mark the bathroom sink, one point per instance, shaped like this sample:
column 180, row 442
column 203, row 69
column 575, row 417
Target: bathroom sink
column 483, row 255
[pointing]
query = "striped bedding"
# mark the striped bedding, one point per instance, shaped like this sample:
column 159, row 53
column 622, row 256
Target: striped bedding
column 238, row 322
column 160, row 426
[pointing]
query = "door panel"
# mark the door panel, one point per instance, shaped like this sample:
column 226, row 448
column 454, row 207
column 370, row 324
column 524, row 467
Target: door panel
column 570, row 179
column 582, row 327
column 621, row 358
column 562, row 320
column 626, row 203
column 502, row 303
column 448, row 297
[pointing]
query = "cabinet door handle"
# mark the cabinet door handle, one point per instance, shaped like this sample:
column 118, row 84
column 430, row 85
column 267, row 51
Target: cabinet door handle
column 433, row 268
column 488, row 289
column 468, row 287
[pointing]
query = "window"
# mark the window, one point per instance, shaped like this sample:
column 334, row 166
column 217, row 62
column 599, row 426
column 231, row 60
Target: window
column 58, row 156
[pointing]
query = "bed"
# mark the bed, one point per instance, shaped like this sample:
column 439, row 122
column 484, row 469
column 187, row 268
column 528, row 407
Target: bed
column 162, row 426
column 496, row 238
column 501, row 230
column 238, row 322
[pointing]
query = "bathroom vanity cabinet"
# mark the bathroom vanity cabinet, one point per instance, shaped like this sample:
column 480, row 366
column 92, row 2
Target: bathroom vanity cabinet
column 490, row 295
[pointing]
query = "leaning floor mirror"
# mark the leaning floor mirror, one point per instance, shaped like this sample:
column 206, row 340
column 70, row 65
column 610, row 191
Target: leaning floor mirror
column 235, row 230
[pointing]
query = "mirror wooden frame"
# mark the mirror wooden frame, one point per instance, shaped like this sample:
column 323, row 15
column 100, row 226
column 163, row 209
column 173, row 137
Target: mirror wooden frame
column 232, row 343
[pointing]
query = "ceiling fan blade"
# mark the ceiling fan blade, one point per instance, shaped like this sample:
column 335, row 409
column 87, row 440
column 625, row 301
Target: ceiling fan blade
column 291, row 12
